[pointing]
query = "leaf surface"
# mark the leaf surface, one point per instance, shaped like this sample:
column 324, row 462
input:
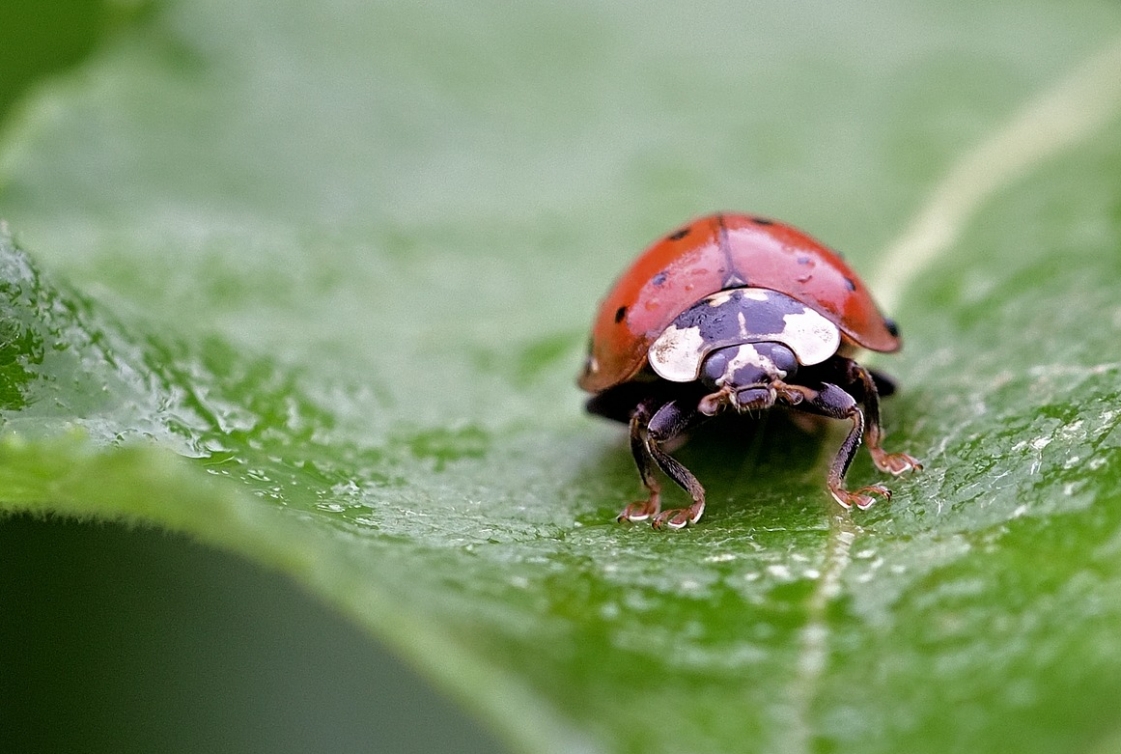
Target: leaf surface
column 341, row 260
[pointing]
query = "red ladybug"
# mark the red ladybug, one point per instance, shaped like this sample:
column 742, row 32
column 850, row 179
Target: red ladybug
column 741, row 313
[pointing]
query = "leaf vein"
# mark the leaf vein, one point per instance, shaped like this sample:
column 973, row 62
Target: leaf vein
column 1072, row 110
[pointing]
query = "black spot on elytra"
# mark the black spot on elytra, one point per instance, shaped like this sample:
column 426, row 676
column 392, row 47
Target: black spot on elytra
column 850, row 284
column 762, row 221
column 891, row 326
column 660, row 278
column 678, row 235
column 620, row 313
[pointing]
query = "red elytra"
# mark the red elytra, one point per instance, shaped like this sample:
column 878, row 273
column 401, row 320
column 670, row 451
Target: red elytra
column 716, row 253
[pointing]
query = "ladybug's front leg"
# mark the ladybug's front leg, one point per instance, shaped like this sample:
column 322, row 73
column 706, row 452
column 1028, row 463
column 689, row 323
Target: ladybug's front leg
column 835, row 403
column 650, row 432
column 640, row 510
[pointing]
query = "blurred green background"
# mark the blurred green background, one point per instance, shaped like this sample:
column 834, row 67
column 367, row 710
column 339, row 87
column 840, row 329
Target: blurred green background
column 134, row 640
column 118, row 639
column 41, row 39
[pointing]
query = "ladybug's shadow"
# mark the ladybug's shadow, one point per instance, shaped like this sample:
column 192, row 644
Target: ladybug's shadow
column 762, row 460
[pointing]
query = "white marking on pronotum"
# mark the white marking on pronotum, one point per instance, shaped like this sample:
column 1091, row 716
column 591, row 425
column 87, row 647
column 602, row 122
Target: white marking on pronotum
column 811, row 337
column 723, row 297
column 676, row 354
column 1071, row 111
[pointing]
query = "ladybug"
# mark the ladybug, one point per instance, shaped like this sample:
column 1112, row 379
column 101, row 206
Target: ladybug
column 742, row 314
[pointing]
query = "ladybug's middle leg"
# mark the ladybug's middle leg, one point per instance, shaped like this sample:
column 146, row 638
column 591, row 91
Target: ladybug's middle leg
column 650, row 432
column 863, row 384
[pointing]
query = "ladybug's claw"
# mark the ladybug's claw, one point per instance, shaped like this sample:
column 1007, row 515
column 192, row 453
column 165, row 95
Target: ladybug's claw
column 680, row 517
column 895, row 463
column 862, row 498
column 640, row 510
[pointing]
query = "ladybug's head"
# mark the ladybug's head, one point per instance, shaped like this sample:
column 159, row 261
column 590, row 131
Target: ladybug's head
column 742, row 376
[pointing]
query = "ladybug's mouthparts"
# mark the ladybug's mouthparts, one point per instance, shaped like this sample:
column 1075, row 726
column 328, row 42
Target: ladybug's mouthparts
column 754, row 399
column 743, row 400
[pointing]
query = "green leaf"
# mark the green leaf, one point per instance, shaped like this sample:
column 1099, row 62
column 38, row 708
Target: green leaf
column 341, row 260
